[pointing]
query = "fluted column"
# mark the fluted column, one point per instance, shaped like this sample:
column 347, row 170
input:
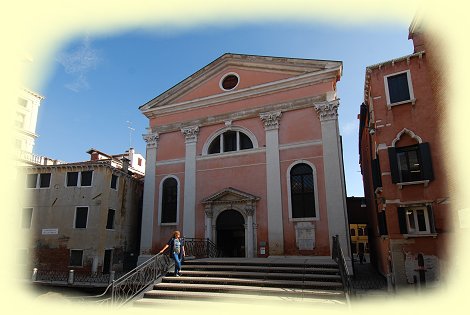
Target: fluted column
column 333, row 169
column 273, row 182
column 189, row 212
column 148, row 207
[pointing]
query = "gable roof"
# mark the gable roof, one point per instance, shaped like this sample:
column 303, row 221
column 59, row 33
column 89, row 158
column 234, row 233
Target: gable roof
column 294, row 66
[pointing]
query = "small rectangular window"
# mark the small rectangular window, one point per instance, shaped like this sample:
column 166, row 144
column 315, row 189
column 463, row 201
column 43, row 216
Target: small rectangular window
column 398, row 88
column 72, row 179
column 86, row 178
column 76, row 258
column 22, row 102
column 114, row 180
column 81, row 217
column 27, row 217
column 110, row 221
column 31, row 180
column 20, row 120
column 45, row 180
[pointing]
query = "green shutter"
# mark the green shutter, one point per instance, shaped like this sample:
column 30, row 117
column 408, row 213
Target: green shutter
column 376, row 176
column 432, row 224
column 392, row 156
column 402, row 220
column 426, row 161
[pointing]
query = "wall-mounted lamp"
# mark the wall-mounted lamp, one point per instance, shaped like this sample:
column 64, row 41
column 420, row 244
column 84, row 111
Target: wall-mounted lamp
column 363, row 203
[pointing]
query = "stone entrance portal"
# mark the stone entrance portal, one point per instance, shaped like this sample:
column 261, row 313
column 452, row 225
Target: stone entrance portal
column 230, row 222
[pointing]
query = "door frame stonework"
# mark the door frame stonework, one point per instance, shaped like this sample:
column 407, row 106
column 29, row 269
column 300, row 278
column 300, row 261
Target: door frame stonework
column 232, row 199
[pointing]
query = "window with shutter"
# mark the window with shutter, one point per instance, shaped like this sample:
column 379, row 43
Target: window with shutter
column 416, row 220
column 410, row 163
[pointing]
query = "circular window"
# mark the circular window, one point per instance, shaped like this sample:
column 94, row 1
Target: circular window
column 229, row 82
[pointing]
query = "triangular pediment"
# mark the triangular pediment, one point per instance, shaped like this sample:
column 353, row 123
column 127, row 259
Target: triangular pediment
column 229, row 195
column 253, row 72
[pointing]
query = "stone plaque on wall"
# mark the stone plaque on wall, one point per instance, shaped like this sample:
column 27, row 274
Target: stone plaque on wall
column 305, row 235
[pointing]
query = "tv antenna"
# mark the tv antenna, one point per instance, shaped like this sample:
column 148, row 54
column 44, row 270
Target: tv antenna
column 129, row 126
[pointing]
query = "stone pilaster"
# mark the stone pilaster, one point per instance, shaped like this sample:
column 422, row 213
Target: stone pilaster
column 189, row 212
column 333, row 166
column 273, row 179
column 148, row 207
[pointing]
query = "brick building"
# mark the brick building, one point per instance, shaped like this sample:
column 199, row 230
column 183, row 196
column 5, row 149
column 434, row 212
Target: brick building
column 401, row 160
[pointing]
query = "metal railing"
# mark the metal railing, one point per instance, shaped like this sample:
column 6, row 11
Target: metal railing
column 338, row 256
column 140, row 279
column 200, row 248
column 133, row 283
column 72, row 278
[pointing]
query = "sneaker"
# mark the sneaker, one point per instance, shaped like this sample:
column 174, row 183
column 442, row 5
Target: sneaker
column 177, row 275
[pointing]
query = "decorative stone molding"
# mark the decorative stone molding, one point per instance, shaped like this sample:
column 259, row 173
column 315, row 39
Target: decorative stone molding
column 152, row 139
column 327, row 110
column 190, row 133
column 249, row 210
column 208, row 210
column 271, row 119
column 410, row 133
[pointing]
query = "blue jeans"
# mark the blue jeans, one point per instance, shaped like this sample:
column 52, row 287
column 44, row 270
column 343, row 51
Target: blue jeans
column 177, row 260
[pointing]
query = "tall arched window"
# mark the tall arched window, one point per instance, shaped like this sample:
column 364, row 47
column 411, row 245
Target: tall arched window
column 302, row 191
column 169, row 200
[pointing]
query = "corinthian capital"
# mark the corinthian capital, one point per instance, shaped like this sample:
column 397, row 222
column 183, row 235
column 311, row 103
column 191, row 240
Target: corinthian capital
column 327, row 110
column 152, row 139
column 271, row 119
column 190, row 133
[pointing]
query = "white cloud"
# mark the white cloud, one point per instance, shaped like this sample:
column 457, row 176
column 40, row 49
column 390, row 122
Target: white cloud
column 78, row 63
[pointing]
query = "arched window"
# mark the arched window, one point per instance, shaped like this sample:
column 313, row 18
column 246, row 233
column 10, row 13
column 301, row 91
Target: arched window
column 169, row 200
column 228, row 141
column 302, row 191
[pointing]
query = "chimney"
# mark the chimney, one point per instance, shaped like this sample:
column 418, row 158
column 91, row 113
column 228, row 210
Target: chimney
column 125, row 164
column 416, row 34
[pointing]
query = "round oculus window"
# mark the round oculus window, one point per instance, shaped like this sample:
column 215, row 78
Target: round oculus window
column 229, row 82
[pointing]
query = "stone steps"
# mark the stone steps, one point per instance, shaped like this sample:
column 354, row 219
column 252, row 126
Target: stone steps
column 251, row 281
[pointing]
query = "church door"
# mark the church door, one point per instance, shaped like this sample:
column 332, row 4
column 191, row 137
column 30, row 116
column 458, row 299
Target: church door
column 231, row 233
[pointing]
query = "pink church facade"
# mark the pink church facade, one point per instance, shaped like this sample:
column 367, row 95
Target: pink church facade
column 246, row 152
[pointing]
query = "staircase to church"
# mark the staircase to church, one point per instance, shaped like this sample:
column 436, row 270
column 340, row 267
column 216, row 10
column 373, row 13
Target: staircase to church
column 262, row 281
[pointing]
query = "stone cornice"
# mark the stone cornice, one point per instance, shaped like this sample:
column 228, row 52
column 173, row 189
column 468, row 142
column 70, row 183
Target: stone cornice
column 244, row 114
column 80, row 166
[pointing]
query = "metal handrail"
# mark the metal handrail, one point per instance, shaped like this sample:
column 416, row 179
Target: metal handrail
column 138, row 280
column 338, row 256
column 133, row 283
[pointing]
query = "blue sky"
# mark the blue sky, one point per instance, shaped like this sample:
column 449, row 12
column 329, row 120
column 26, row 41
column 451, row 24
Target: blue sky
column 96, row 83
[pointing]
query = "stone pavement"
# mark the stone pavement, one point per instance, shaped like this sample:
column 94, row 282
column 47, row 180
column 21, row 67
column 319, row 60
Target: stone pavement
column 367, row 281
